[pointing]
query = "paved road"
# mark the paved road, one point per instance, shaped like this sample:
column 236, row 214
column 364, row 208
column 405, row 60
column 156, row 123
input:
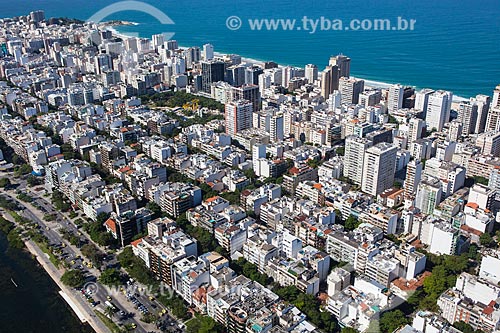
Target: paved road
column 44, row 206
column 83, row 306
column 64, row 219
column 50, row 230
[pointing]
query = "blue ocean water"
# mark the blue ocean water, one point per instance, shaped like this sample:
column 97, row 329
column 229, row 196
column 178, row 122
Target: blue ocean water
column 455, row 44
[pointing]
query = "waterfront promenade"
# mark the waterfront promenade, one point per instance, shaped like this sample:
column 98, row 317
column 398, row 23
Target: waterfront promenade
column 81, row 308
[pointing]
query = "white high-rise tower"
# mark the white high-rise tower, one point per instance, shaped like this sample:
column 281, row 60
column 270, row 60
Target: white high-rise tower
column 355, row 148
column 378, row 168
column 395, row 99
column 238, row 116
column 311, row 73
column 208, row 52
column 438, row 109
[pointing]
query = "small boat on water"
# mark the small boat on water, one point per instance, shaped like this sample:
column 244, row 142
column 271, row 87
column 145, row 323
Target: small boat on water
column 12, row 280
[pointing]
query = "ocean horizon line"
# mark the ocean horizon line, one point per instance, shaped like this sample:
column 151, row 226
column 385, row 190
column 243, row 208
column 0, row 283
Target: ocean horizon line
column 369, row 82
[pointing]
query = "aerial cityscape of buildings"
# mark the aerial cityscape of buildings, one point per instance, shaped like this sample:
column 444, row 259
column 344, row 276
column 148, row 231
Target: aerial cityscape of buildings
column 349, row 193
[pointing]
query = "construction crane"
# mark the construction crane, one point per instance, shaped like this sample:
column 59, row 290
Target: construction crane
column 192, row 106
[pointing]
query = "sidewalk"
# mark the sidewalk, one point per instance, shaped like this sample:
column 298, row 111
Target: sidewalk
column 56, row 274
column 67, row 218
column 120, row 299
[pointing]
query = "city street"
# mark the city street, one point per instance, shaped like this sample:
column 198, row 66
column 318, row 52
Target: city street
column 73, row 254
column 63, row 220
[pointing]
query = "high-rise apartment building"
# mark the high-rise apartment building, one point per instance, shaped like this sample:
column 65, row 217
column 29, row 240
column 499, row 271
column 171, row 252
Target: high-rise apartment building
column 467, row 115
column 496, row 97
column 395, row 98
column 208, row 52
column 238, row 116
column 252, row 74
column 329, row 80
column 193, row 54
column 493, row 119
column 355, row 148
column 429, row 195
column 378, row 168
column 249, row 92
column 343, row 63
column 158, row 41
column 438, row 109
column 416, row 129
column 370, row 97
column 350, row 88
column 489, row 143
column 276, row 128
column 413, row 177
column 211, row 71
column 311, row 73
column 483, row 105
column 37, row 16
column 422, row 100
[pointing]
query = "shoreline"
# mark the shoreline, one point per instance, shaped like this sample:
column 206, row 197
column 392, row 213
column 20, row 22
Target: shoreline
column 76, row 305
column 368, row 83
column 73, row 302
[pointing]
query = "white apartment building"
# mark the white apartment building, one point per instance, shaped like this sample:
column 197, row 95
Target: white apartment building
column 378, row 168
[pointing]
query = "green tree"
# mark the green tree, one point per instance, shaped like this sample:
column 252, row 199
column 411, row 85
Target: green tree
column 5, row 225
column 232, row 197
column 5, row 182
column 351, row 223
column 34, row 181
column 340, row 151
column 437, row 282
column 310, row 305
column 73, row 278
column 110, row 277
column 135, row 267
column 313, row 163
column 59, row 201
column 93, row 254
column 203, row 324
column 105, row 239
column 486, row 239
column 249, row 173
column 289, row 293
column 155, row 208
column 392, row 320
column 15, row 239
column 464, row 327
column 481, row 180
column 102, row 218
column 22, row 170
column 241, row 266
column 444, row 274
column 68, row 151
column 473, row 252
column 176, row 305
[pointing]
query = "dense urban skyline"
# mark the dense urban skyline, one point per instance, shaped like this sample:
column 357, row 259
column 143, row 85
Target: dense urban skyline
column 181, row 189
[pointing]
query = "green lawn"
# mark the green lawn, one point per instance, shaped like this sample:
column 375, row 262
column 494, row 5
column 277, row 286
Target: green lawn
column 108, row 322
column 52, row 257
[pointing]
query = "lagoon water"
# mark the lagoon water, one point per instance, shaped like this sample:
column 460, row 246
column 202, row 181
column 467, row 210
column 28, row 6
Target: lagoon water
column 454, row 45
column 34, row 306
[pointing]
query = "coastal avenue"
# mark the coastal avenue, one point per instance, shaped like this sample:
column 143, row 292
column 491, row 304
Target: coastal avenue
column 72, row 254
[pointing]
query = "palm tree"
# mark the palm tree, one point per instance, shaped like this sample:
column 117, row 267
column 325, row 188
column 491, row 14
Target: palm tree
column 109, row 312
